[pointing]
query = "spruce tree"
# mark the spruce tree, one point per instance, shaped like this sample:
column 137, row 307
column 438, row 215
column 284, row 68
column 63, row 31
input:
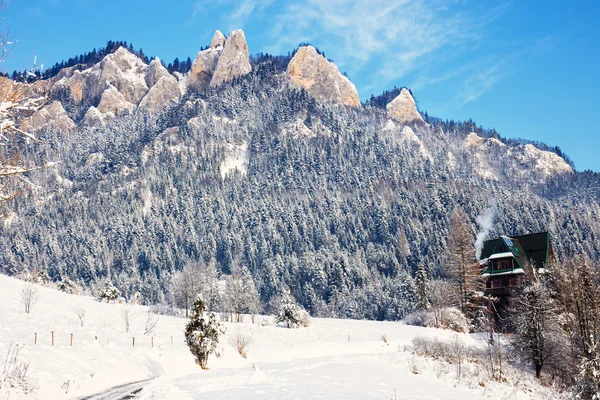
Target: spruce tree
column 422, row 287
column 202, row 333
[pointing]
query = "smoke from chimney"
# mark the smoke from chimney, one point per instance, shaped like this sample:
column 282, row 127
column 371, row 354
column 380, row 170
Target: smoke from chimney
column 485, row 220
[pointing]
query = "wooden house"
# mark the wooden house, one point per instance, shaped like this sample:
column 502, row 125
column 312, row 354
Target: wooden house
column 508, row 263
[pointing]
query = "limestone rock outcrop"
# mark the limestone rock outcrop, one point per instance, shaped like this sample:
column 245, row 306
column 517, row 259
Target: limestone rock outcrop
column 234, row 60
column 154, row 72
column 217, row 40
column 122, row 70
column 224, row 60
column 52, row 115
column 162, row 94
column 403, row 108
column 113, row 101
column 92, row 118
column 321, row 78
column 203, row 68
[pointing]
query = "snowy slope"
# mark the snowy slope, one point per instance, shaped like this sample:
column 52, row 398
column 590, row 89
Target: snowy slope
column 333, row 359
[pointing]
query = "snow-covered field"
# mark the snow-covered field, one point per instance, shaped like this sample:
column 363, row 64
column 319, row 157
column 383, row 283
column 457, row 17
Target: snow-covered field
column 331, row 359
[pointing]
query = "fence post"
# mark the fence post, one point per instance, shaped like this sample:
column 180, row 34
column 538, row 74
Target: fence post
column 133, row 342
column 71, row 341
column 152, row 341
column 35, row 338
column 171, row 339
column 52, row 338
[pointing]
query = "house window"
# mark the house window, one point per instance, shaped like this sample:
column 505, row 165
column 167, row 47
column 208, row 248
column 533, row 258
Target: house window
column 496, row 284
column 500, row 265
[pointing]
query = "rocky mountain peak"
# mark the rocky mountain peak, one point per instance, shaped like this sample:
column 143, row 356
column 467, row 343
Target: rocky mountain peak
column 234, row 60
column 403, row 108
column 217, row 40
column 155, row 71
column 224, row 60
column 321, row 78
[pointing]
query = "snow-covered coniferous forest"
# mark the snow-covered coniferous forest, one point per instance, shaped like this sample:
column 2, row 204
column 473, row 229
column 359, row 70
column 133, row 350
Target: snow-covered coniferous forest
column 263, row 185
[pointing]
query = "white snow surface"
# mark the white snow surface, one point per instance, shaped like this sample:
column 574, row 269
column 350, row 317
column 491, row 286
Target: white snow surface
column 236, row 158
column 331, row 359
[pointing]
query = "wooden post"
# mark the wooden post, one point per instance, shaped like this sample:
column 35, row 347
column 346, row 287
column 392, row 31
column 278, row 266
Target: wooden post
column 171, row 339
column 133, row 342
column 35, row 338
column 71, row 341
column 152, row 341
column 95, row 337
column 52, row 338
column 348, row 337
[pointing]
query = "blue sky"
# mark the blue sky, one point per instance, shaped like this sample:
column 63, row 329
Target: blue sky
column 529, row 69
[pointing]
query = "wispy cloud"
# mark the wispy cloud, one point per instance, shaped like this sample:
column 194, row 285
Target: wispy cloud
column 392, row 42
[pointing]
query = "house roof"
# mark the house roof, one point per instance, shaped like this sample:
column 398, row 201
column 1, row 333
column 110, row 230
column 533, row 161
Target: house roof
column 535, row 248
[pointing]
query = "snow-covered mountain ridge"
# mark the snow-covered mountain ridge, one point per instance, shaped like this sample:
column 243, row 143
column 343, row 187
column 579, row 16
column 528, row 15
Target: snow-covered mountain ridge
column 304, row 189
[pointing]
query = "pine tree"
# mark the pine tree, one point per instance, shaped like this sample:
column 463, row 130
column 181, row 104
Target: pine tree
column 202, row 333
column 422, row 287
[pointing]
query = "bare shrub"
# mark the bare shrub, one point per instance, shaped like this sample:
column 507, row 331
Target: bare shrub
column 452, row 318
column 458, row 352
column 151, row 322
column 413, row 364
column 80, row 312
column 29, row 297
column 304, row 318
column 12, row 372
column 446, row 318
column 240, row 341
column 420, row 318
column 449, row 351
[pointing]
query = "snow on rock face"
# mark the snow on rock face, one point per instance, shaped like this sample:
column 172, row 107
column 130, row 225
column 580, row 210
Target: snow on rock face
column 297, row 128
column 122, row 70
column 546, row 163
column 224, row 60
column 493, row 159
column 403, row 108
column 407, row 138
column 321, row 78
column 93, row 118
column 53, row 115
column 236, row 158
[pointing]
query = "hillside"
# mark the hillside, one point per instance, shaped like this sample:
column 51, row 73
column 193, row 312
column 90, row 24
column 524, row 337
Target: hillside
column 262, row 166
column 336, row 358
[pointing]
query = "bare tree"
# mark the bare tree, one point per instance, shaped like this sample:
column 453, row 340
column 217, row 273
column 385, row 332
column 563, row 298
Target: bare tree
column 151, row 322
column 440, row 296
column 535, row 318
column 80, row 314
column 195, row 279
column 126, row 314
column 241, row 295
column 461, row 266
column 18, row 101
column 29, row 297
column 578, row 280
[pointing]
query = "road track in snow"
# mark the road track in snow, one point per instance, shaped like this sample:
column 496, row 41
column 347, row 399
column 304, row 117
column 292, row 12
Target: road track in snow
column 121, row 392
